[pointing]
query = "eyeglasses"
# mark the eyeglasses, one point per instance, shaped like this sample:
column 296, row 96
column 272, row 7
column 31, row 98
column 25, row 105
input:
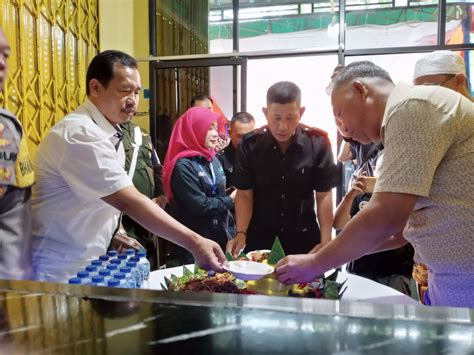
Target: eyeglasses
column 448, row 78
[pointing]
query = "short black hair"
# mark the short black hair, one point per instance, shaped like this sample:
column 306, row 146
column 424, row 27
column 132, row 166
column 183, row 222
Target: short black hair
column 361, row 69
column 242, row 117
column 200, row 97
column 284, row 92
column 102, row 66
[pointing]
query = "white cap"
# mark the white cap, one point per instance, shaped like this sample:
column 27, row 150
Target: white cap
column 439, row 62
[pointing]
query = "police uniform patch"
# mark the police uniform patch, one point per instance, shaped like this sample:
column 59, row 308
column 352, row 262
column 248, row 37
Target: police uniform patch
column 9, row 148
column 7, row 175
column 15, row 163
column 3, row 141
column 314, row 131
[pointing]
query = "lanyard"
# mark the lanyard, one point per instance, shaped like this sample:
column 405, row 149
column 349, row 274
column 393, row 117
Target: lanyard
column 213, row 181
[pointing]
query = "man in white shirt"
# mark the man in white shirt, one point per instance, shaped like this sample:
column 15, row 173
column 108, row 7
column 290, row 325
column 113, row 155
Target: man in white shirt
column 424, row 184
column 82, row 186
column 442, row 68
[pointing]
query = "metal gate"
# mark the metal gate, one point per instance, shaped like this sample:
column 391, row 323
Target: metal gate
column 52, row 43
column 174, row 80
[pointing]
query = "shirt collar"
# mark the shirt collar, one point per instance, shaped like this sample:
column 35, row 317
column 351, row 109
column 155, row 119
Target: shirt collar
column 297, row 138
column 400, row 87
column 100, row 119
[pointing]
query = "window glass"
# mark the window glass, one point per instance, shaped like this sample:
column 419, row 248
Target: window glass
column 182, row 27
column 274, row 25
column 401, row 23
column 221, row 89
column 401, row 66
column 458, row 22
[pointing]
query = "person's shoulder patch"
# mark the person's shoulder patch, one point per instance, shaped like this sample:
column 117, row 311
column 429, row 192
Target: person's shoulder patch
column 257, row 132
column 314, row 131
column 254, row 135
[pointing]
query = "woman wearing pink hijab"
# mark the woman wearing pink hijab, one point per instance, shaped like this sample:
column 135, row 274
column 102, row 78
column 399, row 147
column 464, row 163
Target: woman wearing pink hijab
column 194, row 180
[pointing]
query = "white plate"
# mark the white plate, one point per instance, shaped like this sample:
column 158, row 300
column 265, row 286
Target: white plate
column 248, row 270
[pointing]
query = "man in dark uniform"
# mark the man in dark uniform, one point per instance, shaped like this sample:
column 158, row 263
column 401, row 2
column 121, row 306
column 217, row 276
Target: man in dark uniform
column 240, row 124
column 278, row 169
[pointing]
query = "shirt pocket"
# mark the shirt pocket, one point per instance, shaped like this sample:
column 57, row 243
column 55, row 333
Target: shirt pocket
column 302, row 180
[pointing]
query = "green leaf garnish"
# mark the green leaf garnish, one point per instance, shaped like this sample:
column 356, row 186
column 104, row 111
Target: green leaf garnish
column 240, row 284
column 242, row 255
column 187, row 272
column 196, row 268
column 276, row 253
column 228, row 256
column 331, row 290
column 333, row 276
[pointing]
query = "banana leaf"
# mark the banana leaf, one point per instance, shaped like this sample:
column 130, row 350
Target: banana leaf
column 228, row 256
column 277, row 253
column 168, row 282
column 342, row 292
column 187, row 272
column 333, row 276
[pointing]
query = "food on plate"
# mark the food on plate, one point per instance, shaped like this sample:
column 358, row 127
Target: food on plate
column 219, row 283
column 259, row 256
column 319, row 288
column 271, row 257
column 241, row 256
column 202, row 281
column 259, row 278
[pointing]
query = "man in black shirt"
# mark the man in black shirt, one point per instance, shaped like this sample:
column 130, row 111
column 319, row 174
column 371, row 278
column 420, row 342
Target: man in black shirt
column 240, row 124
column 278, row 169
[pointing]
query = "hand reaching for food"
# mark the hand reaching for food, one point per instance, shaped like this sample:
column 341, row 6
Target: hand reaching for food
column 122, row 242
column 296, row 269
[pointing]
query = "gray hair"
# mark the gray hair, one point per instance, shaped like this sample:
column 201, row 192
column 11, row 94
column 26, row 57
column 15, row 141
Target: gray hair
column 362, row 69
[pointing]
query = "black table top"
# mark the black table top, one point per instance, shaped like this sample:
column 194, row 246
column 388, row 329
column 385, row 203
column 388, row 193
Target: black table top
column 48, row 318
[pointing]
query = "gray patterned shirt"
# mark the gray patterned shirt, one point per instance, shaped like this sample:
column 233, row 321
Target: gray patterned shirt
column 428, row 134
